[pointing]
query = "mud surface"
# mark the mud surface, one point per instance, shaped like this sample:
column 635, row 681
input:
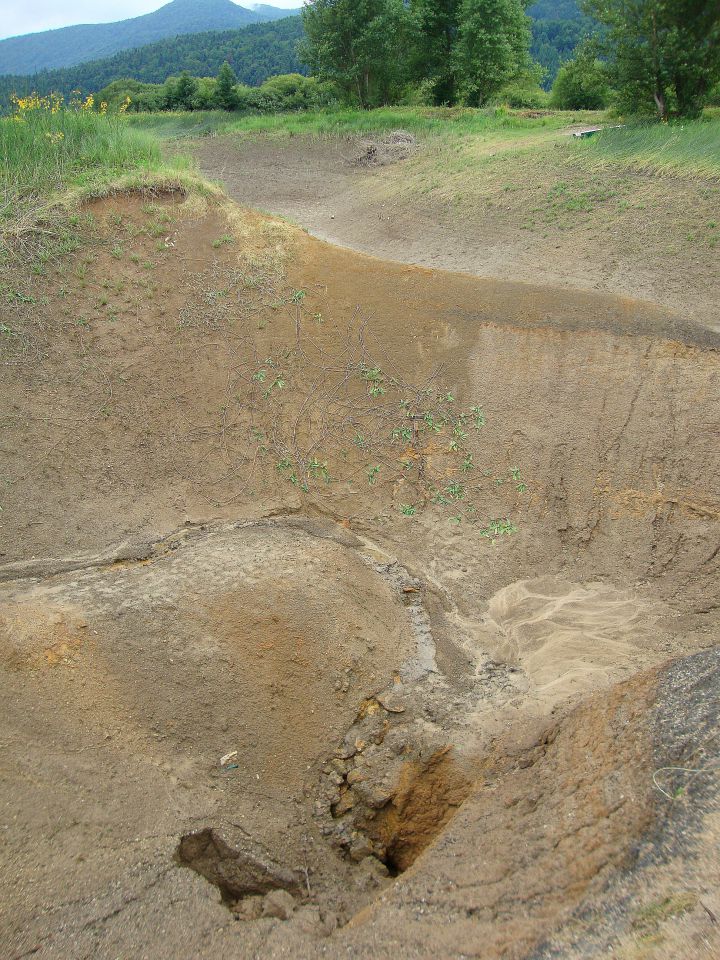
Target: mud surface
column 243, row 719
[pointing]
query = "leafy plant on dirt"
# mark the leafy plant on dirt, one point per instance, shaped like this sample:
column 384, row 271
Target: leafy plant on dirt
column 324, row 417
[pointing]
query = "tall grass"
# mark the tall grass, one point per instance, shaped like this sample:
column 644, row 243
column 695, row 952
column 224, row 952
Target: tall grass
column 45, row 152
column 351, row 122
column 687, row 148
column 50, row 153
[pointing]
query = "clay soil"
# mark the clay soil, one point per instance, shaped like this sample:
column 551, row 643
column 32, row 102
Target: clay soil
column 244, row 719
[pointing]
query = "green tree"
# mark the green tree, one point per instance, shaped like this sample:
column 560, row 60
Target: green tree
column 180, row 92
column 204, row 98
column 493, row 46
column 143, row 96
column 225, row 92
column 436, row 24
column 581, row 83
column 360, row 45
column 662, row 52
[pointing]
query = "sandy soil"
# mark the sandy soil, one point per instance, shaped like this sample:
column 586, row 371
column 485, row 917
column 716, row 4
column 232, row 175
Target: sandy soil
column 242, row 719
column 541, row 223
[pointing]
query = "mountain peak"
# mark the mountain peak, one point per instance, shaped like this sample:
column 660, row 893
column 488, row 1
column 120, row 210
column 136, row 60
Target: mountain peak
column 201, row 6
column 72, row 45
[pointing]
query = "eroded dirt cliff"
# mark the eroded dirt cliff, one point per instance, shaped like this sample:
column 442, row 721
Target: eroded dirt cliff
column 247, row 718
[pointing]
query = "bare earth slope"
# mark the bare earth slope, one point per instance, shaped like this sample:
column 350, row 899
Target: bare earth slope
column 246, row 720
column 497, row 211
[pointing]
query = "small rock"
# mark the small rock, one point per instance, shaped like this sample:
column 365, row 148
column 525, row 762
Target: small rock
column 307, row 920
column 249, row 908
column 278, row 904
column 360, row 847
column 371, row 874
column 346, row 803
column 390, row 702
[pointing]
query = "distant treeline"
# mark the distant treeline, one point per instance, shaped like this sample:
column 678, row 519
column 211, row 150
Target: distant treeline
column 260, row 51
column 662, row 60
column 256, row 52
column 558, row 28
column 278, row 94
column 554, row 42
column 555, row 10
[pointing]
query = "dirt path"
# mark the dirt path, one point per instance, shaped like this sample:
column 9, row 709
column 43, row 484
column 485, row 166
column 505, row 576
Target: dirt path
column 616, row 232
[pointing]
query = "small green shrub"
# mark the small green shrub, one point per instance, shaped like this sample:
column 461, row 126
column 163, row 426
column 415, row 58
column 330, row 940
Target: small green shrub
column 581, row 84
column 523, row 95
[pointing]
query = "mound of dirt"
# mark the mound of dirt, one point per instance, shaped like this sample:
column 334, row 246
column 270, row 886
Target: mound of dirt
column 392, row 148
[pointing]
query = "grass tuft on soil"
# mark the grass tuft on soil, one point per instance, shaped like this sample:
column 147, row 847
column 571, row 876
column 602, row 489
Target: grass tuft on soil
column 52, row 159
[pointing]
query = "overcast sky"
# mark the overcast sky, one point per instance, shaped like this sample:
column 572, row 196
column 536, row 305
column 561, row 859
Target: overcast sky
column 29, row 16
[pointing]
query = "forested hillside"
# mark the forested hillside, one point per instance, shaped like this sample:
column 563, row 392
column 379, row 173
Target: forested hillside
column 554, row 42
column 555, row 10
column 558, row 27
column 255, row 53
column 79, row 44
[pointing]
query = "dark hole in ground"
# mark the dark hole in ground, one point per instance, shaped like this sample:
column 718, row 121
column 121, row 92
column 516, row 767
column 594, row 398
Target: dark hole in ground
column 236, row 865
column 391, row 865
column 429, row 794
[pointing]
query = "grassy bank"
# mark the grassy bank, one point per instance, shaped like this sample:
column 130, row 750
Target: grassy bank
column 52, row 156
column 688, row 148
column 422, row 121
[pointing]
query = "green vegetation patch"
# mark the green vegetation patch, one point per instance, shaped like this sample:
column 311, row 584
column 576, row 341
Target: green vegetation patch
column 651, row 916
column 690, row 147
column 49, row 149
column 173, row 125
column 448, row 123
